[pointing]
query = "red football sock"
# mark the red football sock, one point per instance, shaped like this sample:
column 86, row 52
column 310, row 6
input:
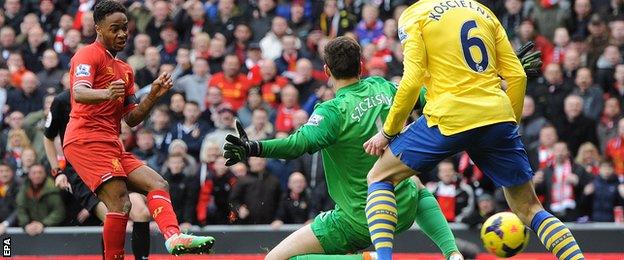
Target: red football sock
column 159, row 204
column 114, row 235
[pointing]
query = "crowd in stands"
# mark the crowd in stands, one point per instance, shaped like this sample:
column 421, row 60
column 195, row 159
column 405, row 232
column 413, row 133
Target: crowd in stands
column 260, row 61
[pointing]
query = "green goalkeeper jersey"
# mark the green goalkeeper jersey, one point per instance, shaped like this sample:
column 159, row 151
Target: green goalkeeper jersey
column 339, row 127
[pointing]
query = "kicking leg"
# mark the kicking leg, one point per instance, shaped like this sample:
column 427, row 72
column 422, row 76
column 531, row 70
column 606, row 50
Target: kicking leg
column 146, row 180
column 140, row 217
column 114, row 194
column 381, row 210
column 551, row 231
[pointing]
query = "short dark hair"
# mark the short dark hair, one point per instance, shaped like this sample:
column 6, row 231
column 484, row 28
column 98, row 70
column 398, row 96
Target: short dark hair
column 192, row 102
column 342, row 55
column 106, row 8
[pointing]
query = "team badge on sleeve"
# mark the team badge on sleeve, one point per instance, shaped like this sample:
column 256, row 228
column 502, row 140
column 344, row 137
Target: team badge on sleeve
column 83, row 70
column 315, row 120
column 402, row 34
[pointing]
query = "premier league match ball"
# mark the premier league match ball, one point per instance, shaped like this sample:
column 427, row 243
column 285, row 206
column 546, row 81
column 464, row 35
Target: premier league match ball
column 504, row 235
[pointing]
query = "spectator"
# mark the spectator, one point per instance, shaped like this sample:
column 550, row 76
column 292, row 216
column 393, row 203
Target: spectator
column 9, row 187
column 589, row 158
column 285, row 111
column 201, row 46
column 311, row 165
column 473, row 176
column 571, row 64
column 299, row 24
column 559, row 184
column 527, row 32
column 271, row 44
column 294, row 205
column 51, row 74
column 194, row 85
column 370, row 27
column 17, row 143
column 219, row 185
column 160, row 17
column 575, row 128
column 39, row 203
column 58, row 41
column 7, row 42
column 158, row 125
column 191, row 130
column 15, row 63
column 512, row 17
column 617, row 90
column 4, row 90
column 615, row 151
column 331, row 29
column 225, row 21
column 607, row 126
column 260, row 127
column 256, row 196
column 304, row 81
column 13, row 13
column 299, row 118
column 88, row 28
column 254, row 101
column 145, row 150
column 176, row 108
column 486, row 207
column 604, row 193
column 192, row 20
column 531, row 123
column 456, row 198
column 281, row 168
column 593, row 102
column 224, row 126
column 149, row 73
column 34, row 49
column 169, row 44
column 287, row 62
column 72, row 42
column 214, row 102
column 561, row 41
column 377, row 67
column 597, row 41
column 252, row 62
column 550, row 92
column 29, row 97
column 216, row 55
column 271, row 83
column 137, row 59
column 183, row 192
column 15, row 121
column 179, row 147
column 183, row 66
column 542, row 156
column 548, row 15
column 578, row 22
column 232, row 83
column 605, row 67
column 29, row 22
column 242, row 37
column 34, row 125
column 263, row 18
column 48, row 16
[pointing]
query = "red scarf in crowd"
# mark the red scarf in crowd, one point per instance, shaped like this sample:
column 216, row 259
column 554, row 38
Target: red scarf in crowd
column 562, row 193
column 445, row 193
column 545, row 156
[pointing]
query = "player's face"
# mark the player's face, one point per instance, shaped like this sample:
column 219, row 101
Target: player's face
column 114, row 31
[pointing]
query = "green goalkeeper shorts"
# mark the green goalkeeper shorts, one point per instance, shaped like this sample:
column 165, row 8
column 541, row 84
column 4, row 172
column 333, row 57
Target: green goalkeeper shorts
column 339, row 235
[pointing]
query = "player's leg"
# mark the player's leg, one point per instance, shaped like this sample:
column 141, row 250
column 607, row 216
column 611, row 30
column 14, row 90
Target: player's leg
column 432, row 222
column 147, row 181
column 140, row 216
column 301, row 242
column 499, row 153
column 114, row 194
column 381, row 210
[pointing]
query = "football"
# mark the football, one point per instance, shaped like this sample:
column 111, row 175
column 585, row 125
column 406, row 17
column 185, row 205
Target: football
column 504, row 235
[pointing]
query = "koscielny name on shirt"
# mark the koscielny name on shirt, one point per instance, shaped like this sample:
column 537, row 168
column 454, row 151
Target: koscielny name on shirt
column 368, row 103
column 438, row 10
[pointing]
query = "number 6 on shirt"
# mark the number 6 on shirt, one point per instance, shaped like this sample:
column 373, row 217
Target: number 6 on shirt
column 468, row 42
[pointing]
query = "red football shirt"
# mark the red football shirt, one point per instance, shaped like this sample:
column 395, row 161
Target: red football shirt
column 234, row 91
column 95, row 67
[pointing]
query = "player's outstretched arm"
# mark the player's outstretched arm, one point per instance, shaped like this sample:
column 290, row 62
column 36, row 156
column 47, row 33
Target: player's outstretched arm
column 86, row 95
column 160, row 86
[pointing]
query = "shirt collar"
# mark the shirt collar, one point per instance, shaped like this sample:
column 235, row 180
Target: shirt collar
column 100, row 45
column 352, row 87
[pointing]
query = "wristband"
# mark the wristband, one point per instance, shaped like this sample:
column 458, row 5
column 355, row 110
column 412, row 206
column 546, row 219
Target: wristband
column 387, row 136
column 255, row 148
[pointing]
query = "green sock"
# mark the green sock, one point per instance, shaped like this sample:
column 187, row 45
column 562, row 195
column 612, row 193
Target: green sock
column 327, row 257
column 430, row 219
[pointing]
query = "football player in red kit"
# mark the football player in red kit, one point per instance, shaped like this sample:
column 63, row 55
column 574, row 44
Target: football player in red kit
column 102, row 94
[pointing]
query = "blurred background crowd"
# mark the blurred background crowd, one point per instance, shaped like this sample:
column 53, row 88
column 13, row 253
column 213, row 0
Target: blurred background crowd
column 261, row 61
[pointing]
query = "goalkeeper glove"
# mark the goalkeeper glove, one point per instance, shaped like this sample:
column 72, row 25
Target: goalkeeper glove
column 238, row 149
column 531, row 61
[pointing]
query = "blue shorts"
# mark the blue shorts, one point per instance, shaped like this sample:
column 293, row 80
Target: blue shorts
column 496, row 149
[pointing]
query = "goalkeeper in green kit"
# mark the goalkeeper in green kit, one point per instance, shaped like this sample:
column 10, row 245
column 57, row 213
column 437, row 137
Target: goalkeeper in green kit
column 339, row 127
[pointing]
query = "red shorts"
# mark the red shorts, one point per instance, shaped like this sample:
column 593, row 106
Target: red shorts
column 99, row 161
